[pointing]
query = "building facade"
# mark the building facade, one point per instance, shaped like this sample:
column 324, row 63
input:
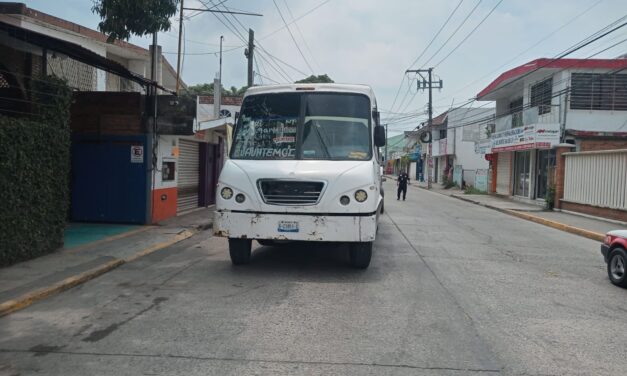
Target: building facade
column 548, row 107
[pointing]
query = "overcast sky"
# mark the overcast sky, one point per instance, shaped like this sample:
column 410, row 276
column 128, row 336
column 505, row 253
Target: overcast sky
column 374, row 42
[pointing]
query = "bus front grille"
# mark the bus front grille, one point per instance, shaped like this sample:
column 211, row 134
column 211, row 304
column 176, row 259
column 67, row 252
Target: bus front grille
column 290, row 192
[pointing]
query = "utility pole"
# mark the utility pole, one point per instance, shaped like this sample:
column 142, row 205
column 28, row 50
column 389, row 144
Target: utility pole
column 249, row 53
column 178, row 56
column 428, row 84
column 211, row 10
column 220, row 75
column 386, row 143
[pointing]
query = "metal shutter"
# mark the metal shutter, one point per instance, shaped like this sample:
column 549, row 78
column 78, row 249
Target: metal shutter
column 188, row 172
column 503, row 173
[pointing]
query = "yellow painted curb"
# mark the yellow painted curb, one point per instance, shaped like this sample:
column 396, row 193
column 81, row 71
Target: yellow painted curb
column 27, row 299
column 558, row 225
column 177, row 238
column 543, row 221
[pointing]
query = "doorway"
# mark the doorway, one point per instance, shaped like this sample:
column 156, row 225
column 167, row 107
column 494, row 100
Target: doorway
column 544, row 172
column 522, row 173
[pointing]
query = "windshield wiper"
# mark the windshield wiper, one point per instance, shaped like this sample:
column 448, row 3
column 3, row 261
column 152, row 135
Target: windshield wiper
column 322, row 141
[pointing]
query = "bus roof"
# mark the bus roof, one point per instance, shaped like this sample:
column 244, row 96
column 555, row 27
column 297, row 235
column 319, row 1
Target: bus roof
column 286, row 88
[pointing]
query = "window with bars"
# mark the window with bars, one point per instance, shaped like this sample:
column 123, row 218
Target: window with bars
column 541, row 94
column 598, row 91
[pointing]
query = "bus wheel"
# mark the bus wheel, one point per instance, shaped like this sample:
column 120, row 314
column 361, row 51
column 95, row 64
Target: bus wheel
column 240, row 251
column 360, row 254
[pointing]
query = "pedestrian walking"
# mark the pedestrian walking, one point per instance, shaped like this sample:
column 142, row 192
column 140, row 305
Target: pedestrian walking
column 401, row 183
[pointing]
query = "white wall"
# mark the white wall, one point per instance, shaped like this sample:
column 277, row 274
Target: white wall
column 465, row 150
column 165, row 153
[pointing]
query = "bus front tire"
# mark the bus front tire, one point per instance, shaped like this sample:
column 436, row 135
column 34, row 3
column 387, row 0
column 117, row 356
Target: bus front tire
column 360, row 254
column 240, row 250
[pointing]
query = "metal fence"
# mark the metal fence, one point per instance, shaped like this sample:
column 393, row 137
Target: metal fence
column 597, row 178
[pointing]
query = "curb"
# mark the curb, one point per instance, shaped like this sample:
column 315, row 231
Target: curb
column 543, row 221
column 27, row 299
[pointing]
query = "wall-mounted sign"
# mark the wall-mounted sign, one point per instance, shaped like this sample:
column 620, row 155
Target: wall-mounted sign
column 483, row 147
column 536, row 136
column 137, row 154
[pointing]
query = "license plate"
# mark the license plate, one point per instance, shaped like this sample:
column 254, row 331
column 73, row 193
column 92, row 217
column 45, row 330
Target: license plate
column 288, row 226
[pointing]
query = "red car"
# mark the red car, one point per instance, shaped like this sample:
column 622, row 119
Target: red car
column 614, row 250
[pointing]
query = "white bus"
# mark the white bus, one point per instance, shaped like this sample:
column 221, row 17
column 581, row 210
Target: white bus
column 304, row 165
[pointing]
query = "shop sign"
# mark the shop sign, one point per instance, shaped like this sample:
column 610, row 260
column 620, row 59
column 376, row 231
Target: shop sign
column 537, row 136
column 483, row 147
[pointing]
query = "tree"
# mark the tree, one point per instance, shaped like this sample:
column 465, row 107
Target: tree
column 207, row 89
column 121, row 18
column 313, row 79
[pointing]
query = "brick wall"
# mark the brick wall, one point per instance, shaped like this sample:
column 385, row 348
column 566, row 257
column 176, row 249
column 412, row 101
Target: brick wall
column 615, row 214
column 596, row 145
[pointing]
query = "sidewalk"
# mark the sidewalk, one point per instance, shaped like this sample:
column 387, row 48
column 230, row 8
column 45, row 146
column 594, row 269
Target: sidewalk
column 29, row 281
column 592, row 228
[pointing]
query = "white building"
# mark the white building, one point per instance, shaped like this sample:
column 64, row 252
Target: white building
column 547, row 102
column 454, row 134
column 79, row 75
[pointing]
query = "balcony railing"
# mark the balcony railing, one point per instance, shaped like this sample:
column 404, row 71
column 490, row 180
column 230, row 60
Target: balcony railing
column 533, row 115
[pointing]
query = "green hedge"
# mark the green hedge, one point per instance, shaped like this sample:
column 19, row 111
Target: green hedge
column 34, row 175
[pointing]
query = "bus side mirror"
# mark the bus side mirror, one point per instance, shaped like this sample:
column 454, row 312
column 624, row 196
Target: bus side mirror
column 379, row 136
column 236, row 116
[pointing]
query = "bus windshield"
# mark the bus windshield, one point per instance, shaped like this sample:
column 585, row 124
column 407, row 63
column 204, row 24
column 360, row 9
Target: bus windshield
column 314, row 126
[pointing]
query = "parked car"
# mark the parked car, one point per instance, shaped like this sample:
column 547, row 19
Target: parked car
column 614, row 250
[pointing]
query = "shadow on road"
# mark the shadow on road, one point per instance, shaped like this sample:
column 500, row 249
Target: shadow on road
column 324, row 262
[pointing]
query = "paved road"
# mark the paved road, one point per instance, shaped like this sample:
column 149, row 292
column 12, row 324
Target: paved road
column 453, row 289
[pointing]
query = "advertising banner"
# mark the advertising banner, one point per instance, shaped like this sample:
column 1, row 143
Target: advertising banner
column 536, row 136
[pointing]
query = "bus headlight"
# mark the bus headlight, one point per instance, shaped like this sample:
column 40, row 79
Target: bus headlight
column 361, row 195
column 240, row 198
column 226, row 193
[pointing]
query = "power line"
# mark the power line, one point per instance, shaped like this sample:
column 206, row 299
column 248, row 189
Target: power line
column 577, row 46
column 440, row 49
column 235, row 32
column 302, row 36
column 296, row 19
column 436, row 34
column 260, row 46
column 423, row 52
column 529, row 48
column 292, row 36
column 469, row 34
column 454, row 33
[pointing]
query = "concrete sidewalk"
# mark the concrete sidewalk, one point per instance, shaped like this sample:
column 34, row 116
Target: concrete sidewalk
column 589, row 227
column 26, row 282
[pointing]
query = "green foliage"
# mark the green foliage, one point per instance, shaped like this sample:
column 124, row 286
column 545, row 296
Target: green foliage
column 550, row 198
column 470, row 190
column 123, row 18
column 313, row 79
column 34, row 171
column 207, row 89
column 448, row 184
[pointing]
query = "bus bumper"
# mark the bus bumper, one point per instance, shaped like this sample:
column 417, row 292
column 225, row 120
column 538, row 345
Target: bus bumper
column 326, row 228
